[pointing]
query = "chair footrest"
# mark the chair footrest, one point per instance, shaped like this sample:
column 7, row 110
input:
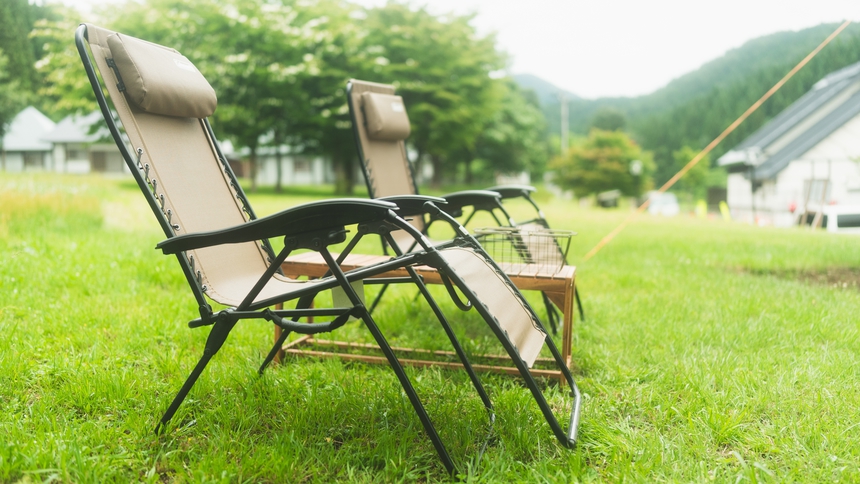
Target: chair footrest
column 308, row 346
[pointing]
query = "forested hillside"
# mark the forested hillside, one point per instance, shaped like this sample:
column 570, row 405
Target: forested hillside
column 696, row 107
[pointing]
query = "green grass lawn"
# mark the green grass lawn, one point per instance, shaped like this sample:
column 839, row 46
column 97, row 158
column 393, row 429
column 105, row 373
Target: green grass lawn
column 713, row 351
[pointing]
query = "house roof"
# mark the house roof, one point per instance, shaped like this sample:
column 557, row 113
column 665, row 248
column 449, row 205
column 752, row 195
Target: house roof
column 78, row 129
column 26, row 131
column 832, row 102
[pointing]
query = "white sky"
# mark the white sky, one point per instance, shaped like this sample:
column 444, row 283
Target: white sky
column 598, row 48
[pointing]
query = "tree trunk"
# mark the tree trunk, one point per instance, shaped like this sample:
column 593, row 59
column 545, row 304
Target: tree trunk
column 343, row 174
column 253, row 170
column 436, row 161
column 468, row 167
column 416, row 168
column 278, row 168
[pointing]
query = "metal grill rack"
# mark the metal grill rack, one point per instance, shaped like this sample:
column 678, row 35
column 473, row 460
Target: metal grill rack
column 526, row 250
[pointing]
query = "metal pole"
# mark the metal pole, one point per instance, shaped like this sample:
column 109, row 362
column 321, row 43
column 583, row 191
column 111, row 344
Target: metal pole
column 564, row 121
column 752, row 193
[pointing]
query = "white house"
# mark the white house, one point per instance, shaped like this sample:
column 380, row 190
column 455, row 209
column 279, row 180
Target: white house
column 77, row 144
column 82, row 144
column 23, row 147
column 805, row 159
column 296, row 168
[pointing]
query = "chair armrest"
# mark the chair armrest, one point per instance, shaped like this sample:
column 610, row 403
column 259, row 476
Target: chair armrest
column 480, row 199
column 409, row 205
column 308, row 217
column 513, row 191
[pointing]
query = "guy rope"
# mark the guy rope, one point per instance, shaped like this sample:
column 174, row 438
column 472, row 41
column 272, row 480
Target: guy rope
column 716, row 141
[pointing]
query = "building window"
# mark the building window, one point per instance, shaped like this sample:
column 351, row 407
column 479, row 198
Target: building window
column 817, row 191
column 301, row 165
column 76, row 154
column 98, row 161
column 34, row 159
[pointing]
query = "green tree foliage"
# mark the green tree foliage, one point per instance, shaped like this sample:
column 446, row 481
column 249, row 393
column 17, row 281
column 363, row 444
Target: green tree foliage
column 12, row 97
column 280, row 70
column 608, row 119
column 64, row 88
column 322, row 125
column 603, row 162
column 515, row 139
column 442, row 69
column 695, row 181
column 15, row 23
column 17, row 74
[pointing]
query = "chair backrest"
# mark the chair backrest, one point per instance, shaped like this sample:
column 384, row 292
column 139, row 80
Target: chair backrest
column 162, row 102
column 381, row 125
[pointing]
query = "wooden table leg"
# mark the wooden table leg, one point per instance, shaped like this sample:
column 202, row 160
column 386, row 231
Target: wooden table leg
column 280, row 354
column 565, row 301
column 567, row 321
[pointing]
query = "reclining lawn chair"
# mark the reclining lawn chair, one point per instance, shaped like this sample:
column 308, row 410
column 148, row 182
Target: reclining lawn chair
column 162, row 103
column 380, row 125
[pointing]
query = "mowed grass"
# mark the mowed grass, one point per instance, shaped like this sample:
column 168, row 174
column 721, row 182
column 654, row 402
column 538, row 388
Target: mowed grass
column 712, row 351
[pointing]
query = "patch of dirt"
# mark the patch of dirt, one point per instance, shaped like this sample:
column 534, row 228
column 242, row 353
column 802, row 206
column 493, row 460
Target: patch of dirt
column 836, row 277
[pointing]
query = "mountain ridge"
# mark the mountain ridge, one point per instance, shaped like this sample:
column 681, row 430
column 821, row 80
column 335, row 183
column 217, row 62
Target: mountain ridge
column 546, row 91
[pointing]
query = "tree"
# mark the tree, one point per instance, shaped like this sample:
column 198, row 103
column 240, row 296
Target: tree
column 695, row 181
column 608, row 119
column 64, row 87
column 321, row 125
column 17, row 75
column 15, row 24
column 12, row 99
column 515, row 138
column 441, row 67
column 603, row 161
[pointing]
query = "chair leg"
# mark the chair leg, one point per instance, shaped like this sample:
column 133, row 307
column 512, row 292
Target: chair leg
column 394, row 362
column 279, row 343
column 567, row 437
column 579, row 304
column 410, row 392
column 551, row 313
column 216, row 339
column 461, row 354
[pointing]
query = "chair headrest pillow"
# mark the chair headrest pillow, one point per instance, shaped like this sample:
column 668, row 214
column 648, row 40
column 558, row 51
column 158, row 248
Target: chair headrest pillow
column 160, row 80
column 386, row 116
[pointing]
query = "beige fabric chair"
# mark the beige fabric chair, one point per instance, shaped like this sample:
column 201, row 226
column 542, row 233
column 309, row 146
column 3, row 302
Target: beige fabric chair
column 162, row 102
column 381, row 126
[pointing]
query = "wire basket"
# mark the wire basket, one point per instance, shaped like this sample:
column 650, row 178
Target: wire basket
column 526, row 249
